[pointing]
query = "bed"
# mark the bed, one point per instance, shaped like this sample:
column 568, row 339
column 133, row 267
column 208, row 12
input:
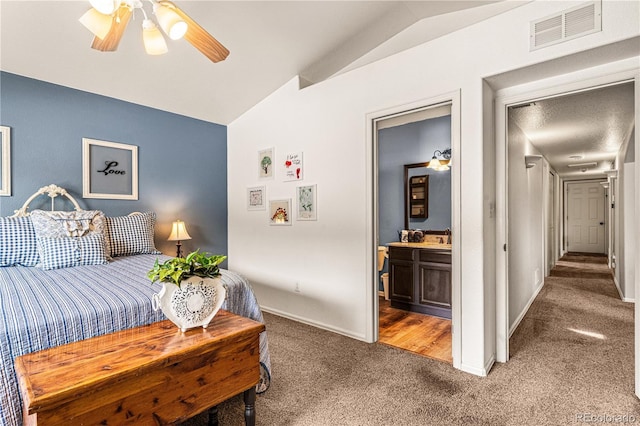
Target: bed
column 44, row 308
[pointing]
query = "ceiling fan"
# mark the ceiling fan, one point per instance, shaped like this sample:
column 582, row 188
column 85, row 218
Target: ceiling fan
column 107, row 20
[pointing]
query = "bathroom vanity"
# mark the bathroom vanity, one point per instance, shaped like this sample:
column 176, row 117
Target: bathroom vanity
column 420, row 278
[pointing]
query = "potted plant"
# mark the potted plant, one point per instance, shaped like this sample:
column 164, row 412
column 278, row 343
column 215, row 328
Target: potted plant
column 192, row 291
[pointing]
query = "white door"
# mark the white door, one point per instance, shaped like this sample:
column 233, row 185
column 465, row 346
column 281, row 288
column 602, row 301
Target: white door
column 585, row 217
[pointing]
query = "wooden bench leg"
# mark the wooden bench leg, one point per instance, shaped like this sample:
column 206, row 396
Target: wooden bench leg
column 213, row 416
column 250, row 406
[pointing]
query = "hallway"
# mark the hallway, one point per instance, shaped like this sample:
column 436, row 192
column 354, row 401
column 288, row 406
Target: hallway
column 577, row 338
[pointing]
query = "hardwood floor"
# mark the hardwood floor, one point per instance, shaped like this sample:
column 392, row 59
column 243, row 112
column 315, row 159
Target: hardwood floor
column 423, row 334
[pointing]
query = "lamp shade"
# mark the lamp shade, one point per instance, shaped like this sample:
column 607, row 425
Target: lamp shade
column 106, row 7
column 434, row 163
column 154, row 43
column 96, row 22
column 179, row 232
column 170, row 22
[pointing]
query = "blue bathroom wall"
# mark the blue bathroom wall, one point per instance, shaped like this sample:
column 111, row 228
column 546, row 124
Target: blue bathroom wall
column 408, row 144
column 182, row 162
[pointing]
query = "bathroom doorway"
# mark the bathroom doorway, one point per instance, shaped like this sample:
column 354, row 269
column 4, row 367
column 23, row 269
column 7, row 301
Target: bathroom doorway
column 406, row 143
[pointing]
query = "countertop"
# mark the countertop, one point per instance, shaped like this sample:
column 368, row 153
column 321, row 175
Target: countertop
column 425, row 245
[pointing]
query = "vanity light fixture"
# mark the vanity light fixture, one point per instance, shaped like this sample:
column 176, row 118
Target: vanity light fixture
column 440, row 165
column 178, row 233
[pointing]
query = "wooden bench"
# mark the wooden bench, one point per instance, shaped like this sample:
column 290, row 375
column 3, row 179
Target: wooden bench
column 152, row 375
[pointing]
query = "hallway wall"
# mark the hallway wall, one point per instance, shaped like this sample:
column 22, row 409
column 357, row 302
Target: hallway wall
column 626, row 274
column 526, row 228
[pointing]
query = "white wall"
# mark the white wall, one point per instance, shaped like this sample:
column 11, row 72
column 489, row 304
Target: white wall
column 627, row 274
column 331, row 257
column 526, row 231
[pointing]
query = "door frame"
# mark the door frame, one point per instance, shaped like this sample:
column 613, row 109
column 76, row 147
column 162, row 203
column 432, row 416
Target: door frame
column 536, row 90
column 551, row 217
column 452, row 98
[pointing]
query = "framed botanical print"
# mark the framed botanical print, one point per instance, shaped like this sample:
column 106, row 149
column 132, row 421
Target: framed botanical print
column 109, row 170
column 266, row 162
column 307, row 199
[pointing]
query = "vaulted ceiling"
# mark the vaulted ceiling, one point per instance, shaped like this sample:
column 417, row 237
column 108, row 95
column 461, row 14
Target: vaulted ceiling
column 270, row 42
column 273, row 41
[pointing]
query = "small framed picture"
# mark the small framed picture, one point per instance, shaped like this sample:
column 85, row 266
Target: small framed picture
column 307, row 198
column 266, row 162
column 292, row 167
column 109, row 170
column 5, row 161
column 256, row 198
column 280, row 212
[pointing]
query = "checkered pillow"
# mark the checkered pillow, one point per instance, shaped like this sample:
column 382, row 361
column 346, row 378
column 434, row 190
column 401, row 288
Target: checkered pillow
column 133, row 234
column 17, row 242
column 65, row 252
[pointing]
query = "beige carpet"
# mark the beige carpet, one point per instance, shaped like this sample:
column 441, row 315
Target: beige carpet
column 572, row 359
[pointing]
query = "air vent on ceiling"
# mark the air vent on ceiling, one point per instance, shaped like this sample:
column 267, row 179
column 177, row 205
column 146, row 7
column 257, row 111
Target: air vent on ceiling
column 566, row 25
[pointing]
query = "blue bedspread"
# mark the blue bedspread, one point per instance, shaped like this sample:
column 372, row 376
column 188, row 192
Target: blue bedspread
column 40, row 309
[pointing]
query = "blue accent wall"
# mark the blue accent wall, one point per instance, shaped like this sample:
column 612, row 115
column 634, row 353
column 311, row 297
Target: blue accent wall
column 408, row 144
column 182, row 162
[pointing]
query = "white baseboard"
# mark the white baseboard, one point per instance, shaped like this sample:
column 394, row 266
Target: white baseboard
column 314, row 323
column 516, row 323
column 624, row 299
column 380, row 293
column 615, row 281
column 482, row 372
column 489, row 364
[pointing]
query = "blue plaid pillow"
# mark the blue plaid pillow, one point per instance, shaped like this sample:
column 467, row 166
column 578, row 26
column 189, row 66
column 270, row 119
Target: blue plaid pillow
column 64, row 252
column 131, row 234
column 17, row 242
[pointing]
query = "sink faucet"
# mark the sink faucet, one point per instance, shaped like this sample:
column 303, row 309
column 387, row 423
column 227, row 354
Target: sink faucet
column 447, row 232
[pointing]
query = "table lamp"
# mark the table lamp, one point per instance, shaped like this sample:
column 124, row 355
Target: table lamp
column 179, row 233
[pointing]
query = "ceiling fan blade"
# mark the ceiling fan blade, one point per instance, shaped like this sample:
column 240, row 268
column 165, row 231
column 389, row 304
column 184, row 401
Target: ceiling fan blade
column 199, row 37
column 119, row 23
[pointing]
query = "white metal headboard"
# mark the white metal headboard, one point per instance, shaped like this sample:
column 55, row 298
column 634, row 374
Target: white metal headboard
column 52, row 191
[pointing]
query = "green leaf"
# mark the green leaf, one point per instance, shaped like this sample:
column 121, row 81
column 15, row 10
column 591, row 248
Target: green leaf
column 177, row 269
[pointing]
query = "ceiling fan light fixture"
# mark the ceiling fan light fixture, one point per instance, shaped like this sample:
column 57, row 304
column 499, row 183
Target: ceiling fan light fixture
column 106, row 7
column 96, row 22
column 170, row 22
column 154, row 43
